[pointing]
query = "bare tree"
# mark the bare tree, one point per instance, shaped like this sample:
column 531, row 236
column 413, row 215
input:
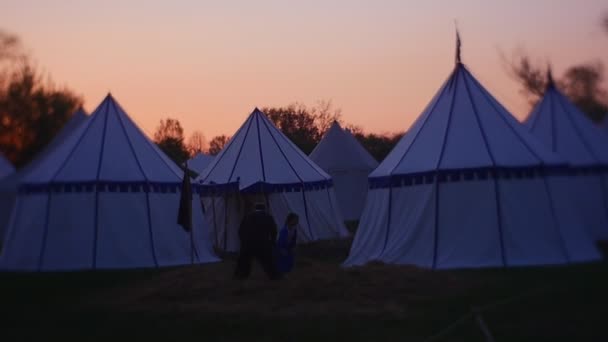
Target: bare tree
column 583, row 85
column 531, row 75
column 197, row 143
column 169, row 136
column 217, row 144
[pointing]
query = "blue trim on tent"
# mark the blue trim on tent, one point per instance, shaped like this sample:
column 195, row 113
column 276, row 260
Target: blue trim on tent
column 257, row 123
column 448, row 85
column 148, row 142
column 89, row 124
column 51, row 183
column 556, row 221
column 493, row 103
column 100, row 186
column 216, row 161
column 312, row 237
column 496, row 187
column 294, row 148
column 604, row 195
column 553, row 130
column 44, row 232
column 141, row 169
column 462, row 175
column 577, row 130
column 453, row 83
column 331, row 206
column 535, row 117
column 294, row 171
column 436, row 230
column 236, row 161
column 103, row 143
column 388, row 219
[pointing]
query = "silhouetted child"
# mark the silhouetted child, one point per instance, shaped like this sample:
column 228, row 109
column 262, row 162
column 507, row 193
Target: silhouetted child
column 287, row 243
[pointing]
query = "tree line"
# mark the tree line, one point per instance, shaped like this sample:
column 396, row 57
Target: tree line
column 33, row 109
column 303, row 125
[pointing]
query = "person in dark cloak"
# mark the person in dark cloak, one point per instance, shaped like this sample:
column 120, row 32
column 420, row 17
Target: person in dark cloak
column 257, row 233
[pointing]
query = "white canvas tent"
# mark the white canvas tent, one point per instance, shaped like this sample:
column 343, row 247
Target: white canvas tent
column 260, row 160
column 348, row 163
column 6, row 168
column 465, row 188
column 9, row 185
column 199, row 162
column 105, row 198
column 565, row 130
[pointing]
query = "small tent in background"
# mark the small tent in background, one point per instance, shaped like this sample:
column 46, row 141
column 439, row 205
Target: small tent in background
column 6, row 168
column 106, row 197
column 9, row 185
column 563, row 128
column 259, row 161
column 348, row 163
column 199, row 162
column 466, row 187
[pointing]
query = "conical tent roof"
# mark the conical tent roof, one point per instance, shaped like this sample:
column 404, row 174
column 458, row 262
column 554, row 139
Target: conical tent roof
column 464, row 127
column 77, row 119
column 564, row 128
column 349, row 164
column 106, row 197
column 91, row 153
column 261, row 154
column 6, row 168
column 467, row 187
column 199, row 162
column 10, row 184
column 340, row 150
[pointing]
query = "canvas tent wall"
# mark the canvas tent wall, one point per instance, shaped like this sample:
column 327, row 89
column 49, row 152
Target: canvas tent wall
column 563, row 128
column 348, row 163
column 260, row 161
column 9, row 185
column 199, row 162
column 105, row 198
column 466, row 188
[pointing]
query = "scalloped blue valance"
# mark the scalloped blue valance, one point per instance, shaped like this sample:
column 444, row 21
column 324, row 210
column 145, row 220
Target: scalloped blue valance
column 445, row 176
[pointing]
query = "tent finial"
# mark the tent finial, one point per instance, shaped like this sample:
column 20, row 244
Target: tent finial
column 550, row 81
column 458, row 43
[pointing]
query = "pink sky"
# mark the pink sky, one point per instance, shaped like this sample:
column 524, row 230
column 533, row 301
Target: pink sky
column 209, row 64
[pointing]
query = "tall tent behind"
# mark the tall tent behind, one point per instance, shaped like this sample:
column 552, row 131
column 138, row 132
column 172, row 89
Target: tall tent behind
column 105, row 198
column 348, row 163
column 566, row 131
column 10, row 185
column 466, row 187
column 199, row 162
column 6, row 168
column 260, row 162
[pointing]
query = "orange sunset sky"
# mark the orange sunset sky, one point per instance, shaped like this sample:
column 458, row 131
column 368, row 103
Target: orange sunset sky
column 208, row 63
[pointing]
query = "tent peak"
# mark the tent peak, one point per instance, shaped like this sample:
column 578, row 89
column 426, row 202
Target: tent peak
column 458, row 44
column 550, row 81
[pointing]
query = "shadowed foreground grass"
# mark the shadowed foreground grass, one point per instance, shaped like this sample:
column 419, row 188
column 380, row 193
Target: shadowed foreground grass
column 319, row 301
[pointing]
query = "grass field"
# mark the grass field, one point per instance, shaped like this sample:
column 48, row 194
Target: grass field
column 319, row 301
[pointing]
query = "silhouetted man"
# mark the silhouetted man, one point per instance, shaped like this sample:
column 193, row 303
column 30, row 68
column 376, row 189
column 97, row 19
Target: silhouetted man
column 258, row 233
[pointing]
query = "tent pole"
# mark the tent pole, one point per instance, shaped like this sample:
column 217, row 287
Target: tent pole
column 217, row 242
column 225, row 223
column 191, row 245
